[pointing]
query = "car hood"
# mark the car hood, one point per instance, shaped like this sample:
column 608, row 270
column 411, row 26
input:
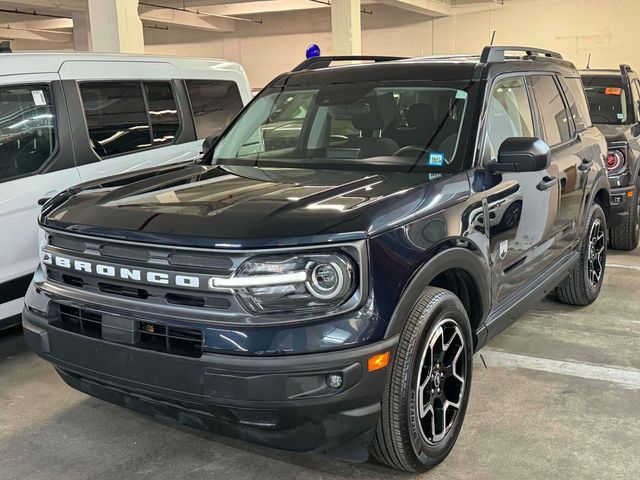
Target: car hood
column 239, row 207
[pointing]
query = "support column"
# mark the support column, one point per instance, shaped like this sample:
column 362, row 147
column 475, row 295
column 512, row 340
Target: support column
column 81, row 31
column 115, row 26
column 345, row 27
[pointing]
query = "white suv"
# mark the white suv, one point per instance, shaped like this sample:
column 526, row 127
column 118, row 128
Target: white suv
column 70, row 118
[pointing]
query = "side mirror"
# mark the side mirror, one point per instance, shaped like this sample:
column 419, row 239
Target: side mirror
column 209, row 141
column 522, row 154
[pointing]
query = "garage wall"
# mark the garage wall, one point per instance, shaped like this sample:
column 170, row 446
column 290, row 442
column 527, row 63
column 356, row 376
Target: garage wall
column 609, row 29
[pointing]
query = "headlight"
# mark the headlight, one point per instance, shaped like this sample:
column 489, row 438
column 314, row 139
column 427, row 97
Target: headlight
column 42, row 242
column 285, row 283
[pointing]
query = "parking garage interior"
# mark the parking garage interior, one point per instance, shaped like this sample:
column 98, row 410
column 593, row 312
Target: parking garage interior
column 555, row 394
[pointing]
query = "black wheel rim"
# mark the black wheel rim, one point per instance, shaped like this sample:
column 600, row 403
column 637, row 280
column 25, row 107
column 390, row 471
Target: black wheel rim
column 441, row 381
column 596, row 254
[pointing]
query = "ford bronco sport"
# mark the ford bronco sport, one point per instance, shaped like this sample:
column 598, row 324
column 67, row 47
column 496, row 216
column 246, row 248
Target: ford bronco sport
column 321, row 279
column 614, row 101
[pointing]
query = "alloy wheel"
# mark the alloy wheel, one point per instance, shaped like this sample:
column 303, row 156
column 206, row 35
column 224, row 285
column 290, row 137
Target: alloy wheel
column 596, row 255
column 441, row 381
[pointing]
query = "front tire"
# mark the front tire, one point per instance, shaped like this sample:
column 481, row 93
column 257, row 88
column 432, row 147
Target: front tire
column 427, row 391
column 584, row 283
column 626, row 236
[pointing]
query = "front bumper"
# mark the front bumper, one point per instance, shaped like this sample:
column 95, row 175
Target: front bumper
column 619, row 206
column 282, row 402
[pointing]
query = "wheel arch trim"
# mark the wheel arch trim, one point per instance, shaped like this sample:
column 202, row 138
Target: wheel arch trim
column 453, row 258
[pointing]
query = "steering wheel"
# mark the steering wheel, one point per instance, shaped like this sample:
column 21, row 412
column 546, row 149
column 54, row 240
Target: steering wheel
column 410, row 148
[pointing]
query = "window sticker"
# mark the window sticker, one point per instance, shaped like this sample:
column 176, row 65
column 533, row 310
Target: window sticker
column 434, row 176
column 436, row 159
column 613, row 91
column 461, row 95
column 620, row 116
column 38, row 98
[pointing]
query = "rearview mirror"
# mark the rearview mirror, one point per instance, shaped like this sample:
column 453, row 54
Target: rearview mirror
column 522, row 154
column 209, row 141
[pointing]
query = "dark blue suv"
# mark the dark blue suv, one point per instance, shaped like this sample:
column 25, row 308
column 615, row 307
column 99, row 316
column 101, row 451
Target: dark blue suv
column 321, row 279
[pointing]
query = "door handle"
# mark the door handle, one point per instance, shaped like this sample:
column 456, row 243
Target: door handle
column 546, row 183
column 585, row 165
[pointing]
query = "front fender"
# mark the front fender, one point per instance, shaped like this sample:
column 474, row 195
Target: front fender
column 452, row 258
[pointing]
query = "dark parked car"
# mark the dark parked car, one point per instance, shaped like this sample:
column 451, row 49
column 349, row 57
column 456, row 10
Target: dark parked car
column 614, row 101
column 326, row 290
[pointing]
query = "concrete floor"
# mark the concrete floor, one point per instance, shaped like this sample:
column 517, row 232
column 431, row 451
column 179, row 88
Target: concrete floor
column 560, row 399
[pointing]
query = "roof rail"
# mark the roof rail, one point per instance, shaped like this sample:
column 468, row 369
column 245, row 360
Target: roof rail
column 497, row 53
column 323, row 62
column 624, row 69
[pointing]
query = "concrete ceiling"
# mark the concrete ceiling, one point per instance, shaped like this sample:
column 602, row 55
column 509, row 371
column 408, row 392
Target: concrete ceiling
column 197, row 14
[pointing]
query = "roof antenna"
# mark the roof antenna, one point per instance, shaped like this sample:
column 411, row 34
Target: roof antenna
column 493, row 37
column 589, row 61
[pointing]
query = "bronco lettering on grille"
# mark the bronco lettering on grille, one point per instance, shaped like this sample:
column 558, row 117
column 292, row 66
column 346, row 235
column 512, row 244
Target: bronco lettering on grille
column 122, row 273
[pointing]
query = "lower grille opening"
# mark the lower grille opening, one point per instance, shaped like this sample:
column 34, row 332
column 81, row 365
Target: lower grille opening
column 141, row 334
column 73, row 281
column 81, row 321
column 180, row 299
column 124, row 291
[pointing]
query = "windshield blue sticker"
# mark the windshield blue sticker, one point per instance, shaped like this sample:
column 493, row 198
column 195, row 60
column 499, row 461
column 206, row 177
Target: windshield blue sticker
column 436, row 159
column 461, row 95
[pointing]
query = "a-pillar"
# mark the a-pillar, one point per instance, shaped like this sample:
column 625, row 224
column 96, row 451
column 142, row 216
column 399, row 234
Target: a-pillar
column 115, row 26
column 345, row 27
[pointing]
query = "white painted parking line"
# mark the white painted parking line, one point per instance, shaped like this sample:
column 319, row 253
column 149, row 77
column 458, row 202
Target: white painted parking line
column 618, row 265
column 627, row 377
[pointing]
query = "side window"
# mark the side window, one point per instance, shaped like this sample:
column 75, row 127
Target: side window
column 163, row 113
column 552, row 110
column 27, row 129
column 116, row 117
column 509, row 115
column 577, row 102
column 214, row 104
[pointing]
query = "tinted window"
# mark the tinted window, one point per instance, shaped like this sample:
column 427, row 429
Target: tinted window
column 163, row 113
column 607, row 99
column 214, row 105
column 509, row 115
column 552, row 110
column 387, row 125
column 577, row 103
column 116, row 117
column 27, row 129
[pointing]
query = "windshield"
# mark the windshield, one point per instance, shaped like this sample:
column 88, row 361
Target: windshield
column 345, row 126
column 607, row 99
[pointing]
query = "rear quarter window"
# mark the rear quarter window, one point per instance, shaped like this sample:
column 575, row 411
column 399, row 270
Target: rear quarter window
column 214, row 104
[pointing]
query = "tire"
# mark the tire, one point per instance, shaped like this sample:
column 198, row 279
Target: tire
column 400, row 441
column 581, row 287
column 627, row 235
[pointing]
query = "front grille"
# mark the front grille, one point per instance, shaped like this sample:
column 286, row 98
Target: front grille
column 168, row 260
column 143, row 334
column 214, row 263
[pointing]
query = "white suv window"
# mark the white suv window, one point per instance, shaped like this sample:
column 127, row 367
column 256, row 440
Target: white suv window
column 509, row 115
column 27, row 129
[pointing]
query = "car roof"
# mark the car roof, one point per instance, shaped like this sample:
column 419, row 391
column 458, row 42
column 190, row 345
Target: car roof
column 435, row 68
column 21, row 63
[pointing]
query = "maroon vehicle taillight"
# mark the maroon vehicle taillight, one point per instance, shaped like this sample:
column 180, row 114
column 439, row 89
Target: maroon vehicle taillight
column 615, row 160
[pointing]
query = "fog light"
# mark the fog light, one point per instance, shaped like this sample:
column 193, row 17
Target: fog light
column 334, row 380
